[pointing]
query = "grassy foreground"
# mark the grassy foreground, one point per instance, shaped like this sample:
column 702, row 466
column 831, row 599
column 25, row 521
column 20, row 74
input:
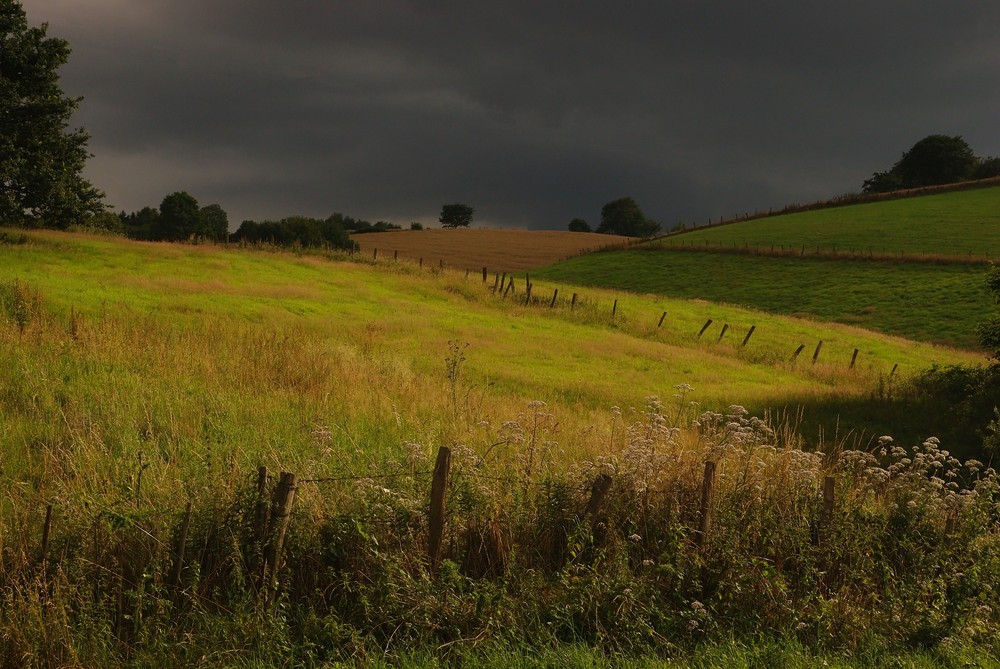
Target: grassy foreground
column 138, row 378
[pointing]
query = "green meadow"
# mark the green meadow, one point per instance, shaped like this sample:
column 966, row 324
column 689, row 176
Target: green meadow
column 137, row 379
column 961, row 224
column 923, row 301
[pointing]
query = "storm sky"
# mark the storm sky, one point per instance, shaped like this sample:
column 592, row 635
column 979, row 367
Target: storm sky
column 533, row 112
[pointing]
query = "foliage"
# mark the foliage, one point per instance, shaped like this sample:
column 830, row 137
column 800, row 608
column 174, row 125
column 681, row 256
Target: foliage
column 295, row 230
column 624, row 217
column 989, row 330
column 41, row 160
column 179, row 218
column 579, row 225
column 213, row 223
column 456, row 215
column 356, row 225
column 962, row 400
column 416, row 226
column 143, row 224
column 936, row 159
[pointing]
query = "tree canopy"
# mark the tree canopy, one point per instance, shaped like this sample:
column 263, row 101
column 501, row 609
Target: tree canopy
column 579, row 225
column 624, row 217
column 989, row 330
column 41, row 159
column 456, row 215
column 936, row 159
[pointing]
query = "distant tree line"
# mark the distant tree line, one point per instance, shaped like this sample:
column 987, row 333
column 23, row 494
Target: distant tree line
column 297, row 231
column 934, row 160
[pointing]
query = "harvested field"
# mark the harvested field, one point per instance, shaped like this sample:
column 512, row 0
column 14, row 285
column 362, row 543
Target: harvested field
column 503, row 250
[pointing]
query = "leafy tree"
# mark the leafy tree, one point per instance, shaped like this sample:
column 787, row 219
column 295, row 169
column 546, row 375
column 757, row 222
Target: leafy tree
column 624, row 217
column 180, row 217
column 41, row 160
column 456, row 215
column 214, row 223
column 936, row 159
column 579, row 225
column 143, row 224
column 987, row 168
column 989, row 330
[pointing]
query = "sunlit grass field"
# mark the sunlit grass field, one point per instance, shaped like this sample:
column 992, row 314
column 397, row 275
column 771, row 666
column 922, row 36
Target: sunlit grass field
column 137, row 378
column 256, row 351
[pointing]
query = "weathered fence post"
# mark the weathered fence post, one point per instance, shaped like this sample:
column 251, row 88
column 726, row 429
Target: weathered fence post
column 175, row 574
column 598, row 493
column 704, row 327
column 747, row 338
column 614, row 308
column 725, row 326
column 484, row 278
column 797, row 351
column 816, row 354
column 707, row 487
column 439, row 494
column 660, row 324
column 281, row 515
column 527, row 295
column 572, row 304
column 854, row 358
column 893, row 372
column 554, row 295
column 375, row 254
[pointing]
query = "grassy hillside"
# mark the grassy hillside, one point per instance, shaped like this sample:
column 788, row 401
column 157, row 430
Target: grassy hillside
column 928, row 302
column 911, row 267
column 957, row 224
column 138, row 378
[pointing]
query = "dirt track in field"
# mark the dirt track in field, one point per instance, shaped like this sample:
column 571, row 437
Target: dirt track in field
column 502, row 250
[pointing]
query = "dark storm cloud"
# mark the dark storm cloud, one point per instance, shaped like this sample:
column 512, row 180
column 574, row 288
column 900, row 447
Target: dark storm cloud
column 534, row 113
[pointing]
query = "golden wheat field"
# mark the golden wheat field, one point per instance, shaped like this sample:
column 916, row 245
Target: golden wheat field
column 503, row 250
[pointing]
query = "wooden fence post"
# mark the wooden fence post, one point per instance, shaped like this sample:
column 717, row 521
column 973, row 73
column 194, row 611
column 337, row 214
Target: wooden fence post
column 484, row 278
column 704, row 327
column 439, row 495
column 614, row 308
column 572, row 304
column 707, row 487
column 747, row 338
column 725, row 326
column 281, row 515
column 893, row 372
column 527, row 295
column 375, row 254
column 797, row 351
column 598, row 493
column 660, row 324
column 554, row 295
column 816, row 354
column 175, row 575
column 854, row 358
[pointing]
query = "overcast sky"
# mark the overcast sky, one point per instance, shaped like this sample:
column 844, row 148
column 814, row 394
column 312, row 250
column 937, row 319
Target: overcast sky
column 532, row 112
